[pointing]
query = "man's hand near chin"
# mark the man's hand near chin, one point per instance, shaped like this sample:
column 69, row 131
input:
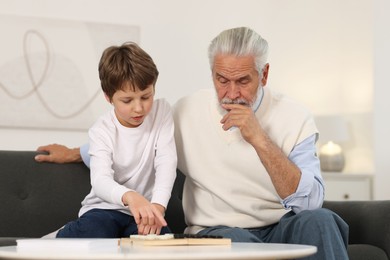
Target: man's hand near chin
column 242, row 117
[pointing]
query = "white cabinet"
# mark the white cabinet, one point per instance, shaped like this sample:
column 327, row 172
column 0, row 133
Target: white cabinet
column 348, row 186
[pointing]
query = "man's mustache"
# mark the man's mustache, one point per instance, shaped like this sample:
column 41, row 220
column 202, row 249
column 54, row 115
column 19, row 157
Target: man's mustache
column 239, row 101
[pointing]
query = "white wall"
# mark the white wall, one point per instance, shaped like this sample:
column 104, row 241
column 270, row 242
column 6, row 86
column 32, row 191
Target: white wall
column 320, row 53
column 381, row 99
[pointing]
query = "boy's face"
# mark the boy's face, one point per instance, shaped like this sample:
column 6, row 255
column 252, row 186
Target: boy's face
column 131, row 107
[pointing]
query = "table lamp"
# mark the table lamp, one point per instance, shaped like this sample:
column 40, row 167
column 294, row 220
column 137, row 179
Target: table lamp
column 333, row 131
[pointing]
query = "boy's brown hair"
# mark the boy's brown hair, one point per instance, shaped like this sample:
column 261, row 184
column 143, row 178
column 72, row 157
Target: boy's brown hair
column 124, row 64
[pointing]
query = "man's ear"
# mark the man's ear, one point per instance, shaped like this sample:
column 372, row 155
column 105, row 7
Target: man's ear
column 265, row 75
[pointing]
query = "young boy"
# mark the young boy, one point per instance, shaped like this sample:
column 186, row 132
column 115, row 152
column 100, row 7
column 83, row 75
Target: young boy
column 133, row 153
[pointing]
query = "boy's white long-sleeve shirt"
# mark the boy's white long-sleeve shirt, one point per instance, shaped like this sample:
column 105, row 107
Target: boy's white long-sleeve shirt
column 141, row 159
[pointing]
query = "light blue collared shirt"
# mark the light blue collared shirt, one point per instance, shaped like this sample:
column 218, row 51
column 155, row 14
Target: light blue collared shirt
column 85, row 155
column 310, row 191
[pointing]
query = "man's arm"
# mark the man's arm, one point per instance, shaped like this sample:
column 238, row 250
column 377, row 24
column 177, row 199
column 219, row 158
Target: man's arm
column 296, row 178
column 285, row 175
column 57, row 153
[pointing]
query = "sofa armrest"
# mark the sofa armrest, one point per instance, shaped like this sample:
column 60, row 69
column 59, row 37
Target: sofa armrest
column 369, row 221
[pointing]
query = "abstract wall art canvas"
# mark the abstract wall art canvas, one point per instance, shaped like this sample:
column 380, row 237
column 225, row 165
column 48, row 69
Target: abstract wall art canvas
column 49, row 70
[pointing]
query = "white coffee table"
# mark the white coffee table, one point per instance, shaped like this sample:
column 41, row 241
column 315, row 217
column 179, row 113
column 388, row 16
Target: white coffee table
column 109, row 249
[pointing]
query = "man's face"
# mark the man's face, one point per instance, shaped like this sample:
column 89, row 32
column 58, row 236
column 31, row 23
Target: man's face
column 236, row 79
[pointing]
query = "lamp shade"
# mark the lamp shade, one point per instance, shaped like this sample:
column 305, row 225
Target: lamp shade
column 332, row 128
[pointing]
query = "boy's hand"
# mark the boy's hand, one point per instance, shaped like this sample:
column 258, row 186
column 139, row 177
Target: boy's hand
column 155, row 229
column 148, row 216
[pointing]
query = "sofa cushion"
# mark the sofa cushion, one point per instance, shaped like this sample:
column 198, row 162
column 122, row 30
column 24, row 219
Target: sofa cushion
column 366, row 252
column 174, row 213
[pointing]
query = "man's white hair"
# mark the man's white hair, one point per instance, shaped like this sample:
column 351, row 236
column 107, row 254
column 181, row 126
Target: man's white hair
column 241, row 41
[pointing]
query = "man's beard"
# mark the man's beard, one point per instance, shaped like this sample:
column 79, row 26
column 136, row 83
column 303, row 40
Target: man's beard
column 254, row 104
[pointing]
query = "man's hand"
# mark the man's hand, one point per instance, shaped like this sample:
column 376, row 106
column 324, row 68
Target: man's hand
column 148, row 216
column 57, row 153
column 243, row 118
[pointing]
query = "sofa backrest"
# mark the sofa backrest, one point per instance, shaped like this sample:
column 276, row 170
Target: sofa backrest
column 38, row 198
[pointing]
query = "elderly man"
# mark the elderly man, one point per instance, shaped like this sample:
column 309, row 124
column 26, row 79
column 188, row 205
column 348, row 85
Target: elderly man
column 249, row 156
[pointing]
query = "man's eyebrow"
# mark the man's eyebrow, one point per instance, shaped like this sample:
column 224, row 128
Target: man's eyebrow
column 220, row 75
column 246, row 77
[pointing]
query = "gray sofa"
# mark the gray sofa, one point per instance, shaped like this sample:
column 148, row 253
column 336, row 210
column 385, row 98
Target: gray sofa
column 38, row 198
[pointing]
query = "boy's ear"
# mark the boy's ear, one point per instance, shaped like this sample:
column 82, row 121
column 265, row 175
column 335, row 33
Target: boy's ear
column 107, row 98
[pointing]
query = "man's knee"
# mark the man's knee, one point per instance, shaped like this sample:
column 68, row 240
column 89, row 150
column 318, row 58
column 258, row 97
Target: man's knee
column 234, row 233
column 322, row 216
column 325, row 220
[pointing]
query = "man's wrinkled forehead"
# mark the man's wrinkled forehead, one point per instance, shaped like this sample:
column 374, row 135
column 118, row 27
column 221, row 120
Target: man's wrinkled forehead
column 233, row 66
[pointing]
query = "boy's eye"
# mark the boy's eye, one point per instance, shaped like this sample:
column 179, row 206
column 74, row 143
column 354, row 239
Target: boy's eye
column 146, row 98
column 126, row 101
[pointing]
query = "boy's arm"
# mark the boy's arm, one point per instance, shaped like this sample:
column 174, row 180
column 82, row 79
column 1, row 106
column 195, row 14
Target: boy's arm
column 165, row 161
